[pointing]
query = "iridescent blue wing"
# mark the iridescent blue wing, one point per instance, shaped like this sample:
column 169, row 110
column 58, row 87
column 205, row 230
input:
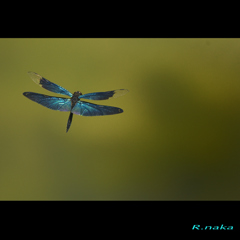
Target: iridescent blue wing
column 104, row 95
column 90, row 109
column 54, row 103
column 43, row 82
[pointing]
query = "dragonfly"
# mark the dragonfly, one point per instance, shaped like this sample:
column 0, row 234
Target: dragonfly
column 74, row 104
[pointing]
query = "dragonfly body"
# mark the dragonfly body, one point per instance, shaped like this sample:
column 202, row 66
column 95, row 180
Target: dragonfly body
column 74, row 104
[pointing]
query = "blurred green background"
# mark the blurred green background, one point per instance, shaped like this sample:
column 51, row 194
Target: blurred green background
column 178, row 138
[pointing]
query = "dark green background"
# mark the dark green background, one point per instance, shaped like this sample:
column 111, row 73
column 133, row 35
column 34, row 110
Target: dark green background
column 177, row 139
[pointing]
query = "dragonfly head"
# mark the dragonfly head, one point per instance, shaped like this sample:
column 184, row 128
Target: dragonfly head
column 77, row 93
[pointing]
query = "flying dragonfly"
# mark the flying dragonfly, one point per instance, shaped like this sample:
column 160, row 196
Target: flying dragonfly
column 74, row 104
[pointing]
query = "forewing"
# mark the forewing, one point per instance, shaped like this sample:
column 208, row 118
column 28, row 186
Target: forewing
column 90, row 109
column 50, row 86
column 54, row 103
column 104, row 95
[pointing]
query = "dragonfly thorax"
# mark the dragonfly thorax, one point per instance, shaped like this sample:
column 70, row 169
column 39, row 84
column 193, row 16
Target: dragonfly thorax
column 74, row 98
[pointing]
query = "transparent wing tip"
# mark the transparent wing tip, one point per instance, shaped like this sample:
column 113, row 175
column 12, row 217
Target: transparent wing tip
column 120, row 92
column 35, row 77
column 30, row 73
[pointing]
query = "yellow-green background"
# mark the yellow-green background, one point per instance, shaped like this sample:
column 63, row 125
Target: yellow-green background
column 178, row 138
